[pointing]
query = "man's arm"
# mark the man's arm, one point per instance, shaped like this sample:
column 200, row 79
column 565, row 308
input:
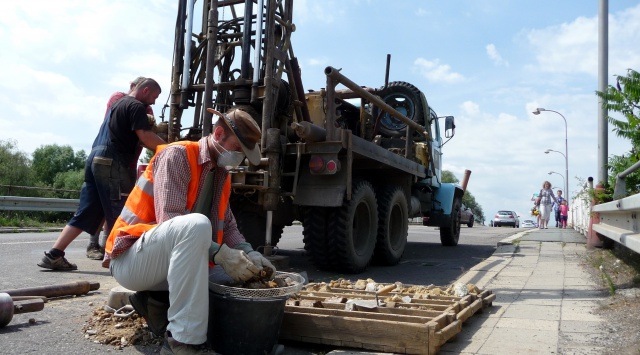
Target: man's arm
column 149, row 139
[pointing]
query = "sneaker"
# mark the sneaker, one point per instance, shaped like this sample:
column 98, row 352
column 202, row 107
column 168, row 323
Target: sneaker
column 153, row 311
column 94, row 252
column 61, row 263
column 172, row 346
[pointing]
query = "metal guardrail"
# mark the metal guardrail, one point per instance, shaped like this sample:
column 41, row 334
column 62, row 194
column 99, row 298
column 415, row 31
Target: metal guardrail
column 18, row 203
column 619, row 221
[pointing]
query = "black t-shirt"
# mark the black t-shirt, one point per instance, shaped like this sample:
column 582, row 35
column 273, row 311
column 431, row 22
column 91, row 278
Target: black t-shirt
column 127, row 115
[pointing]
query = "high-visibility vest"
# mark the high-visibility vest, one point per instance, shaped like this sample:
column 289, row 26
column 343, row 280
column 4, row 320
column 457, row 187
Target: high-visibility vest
column 138, row 214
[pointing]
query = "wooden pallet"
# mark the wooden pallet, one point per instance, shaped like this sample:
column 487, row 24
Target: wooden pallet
column 418, row 327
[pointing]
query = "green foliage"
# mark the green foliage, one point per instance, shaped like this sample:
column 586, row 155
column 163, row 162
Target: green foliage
column 70, row 181
column 15, row 169
column 467, row 199
column 146, row 157
column 449, row 178
column 624, row 99
column 49, row 160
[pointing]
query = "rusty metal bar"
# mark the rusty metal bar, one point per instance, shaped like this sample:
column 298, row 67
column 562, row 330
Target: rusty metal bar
column 68, row 289
column 335, row 74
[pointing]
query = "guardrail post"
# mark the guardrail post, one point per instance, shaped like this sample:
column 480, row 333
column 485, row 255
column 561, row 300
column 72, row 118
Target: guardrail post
column 593, row 239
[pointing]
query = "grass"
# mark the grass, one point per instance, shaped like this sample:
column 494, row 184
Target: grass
column 33, row 219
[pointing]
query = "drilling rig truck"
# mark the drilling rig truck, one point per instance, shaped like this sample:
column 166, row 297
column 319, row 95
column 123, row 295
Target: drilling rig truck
column 353, row 164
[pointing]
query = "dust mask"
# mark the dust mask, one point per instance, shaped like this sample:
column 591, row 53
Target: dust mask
column 228, row 159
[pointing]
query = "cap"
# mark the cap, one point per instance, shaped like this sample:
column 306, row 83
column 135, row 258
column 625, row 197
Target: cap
column 245, row 128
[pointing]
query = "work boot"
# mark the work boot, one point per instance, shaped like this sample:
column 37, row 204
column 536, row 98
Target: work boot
column 153, row 311
column 172, row 346
column 59, row 263
column 94, row 252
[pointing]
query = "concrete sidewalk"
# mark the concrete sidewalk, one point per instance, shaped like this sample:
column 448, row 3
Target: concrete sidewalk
column 544, row 299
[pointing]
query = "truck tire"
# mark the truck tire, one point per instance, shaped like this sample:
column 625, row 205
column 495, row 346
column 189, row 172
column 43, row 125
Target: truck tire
column 393, row 225
column 450, row 233
column 315, row 223
column 353, row 231
column 253, row 225
column 406, row 99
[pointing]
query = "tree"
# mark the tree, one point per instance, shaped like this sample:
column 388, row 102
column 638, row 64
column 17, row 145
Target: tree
column 624, row 98
column 15, row 169
column 467, row 199
column 49, row 160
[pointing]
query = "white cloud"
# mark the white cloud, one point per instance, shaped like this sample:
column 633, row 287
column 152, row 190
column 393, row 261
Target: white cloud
column 493, row 54
column 436, row 72
column 573, row 47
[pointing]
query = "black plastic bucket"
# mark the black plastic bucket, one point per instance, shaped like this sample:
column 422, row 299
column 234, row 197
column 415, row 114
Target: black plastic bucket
column 244, row 325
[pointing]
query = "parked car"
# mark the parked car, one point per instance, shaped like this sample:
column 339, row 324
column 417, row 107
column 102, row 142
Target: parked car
column 527, row 223
column 506, row 218
column 466, row 216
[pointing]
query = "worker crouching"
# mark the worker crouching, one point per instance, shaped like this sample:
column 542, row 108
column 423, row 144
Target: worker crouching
column 164, row 239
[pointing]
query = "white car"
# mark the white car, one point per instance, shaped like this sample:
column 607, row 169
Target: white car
column 527, row 223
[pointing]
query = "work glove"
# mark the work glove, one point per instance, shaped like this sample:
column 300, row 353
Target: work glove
column 235, row 263
column 261, row 262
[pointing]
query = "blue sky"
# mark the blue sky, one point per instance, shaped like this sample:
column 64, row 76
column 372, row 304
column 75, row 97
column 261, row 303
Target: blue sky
column 488, row 63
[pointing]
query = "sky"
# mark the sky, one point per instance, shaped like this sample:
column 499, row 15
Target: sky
column 488, row 63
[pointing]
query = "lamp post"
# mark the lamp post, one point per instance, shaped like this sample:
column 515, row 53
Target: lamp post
column 563, row 180
column 566, row 150
column 565, row 159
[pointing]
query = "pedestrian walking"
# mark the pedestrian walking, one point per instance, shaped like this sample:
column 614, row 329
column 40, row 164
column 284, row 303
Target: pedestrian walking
column 556, row 207
column 544, row 199
column 564, row 213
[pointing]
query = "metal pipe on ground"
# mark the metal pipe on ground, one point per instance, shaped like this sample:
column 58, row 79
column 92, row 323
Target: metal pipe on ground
column 68, row 289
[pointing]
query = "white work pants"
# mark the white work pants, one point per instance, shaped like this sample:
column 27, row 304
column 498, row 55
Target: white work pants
column 173, row 256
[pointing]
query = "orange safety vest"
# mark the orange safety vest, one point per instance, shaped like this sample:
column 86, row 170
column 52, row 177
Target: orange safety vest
column 138, row 214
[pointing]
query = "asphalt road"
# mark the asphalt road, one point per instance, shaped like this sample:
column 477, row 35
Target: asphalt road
column 57, row 329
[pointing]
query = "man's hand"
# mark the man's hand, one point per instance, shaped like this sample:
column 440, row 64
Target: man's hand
column 235, row 263
column 262, row 263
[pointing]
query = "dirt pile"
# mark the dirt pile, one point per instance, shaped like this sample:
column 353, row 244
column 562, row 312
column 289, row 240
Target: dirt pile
column 105, row 328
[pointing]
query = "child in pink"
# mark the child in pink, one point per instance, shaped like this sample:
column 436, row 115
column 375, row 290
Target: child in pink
column 564, row 214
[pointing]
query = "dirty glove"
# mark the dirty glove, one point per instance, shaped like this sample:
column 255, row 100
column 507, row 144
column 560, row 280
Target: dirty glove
column 235, row 263
column 262, row 263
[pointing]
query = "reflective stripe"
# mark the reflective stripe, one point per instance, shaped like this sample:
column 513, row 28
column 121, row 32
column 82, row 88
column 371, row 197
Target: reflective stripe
column 130, row 217
column 145, row 185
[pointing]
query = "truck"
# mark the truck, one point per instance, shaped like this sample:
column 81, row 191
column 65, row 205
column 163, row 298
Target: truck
column 353, row 164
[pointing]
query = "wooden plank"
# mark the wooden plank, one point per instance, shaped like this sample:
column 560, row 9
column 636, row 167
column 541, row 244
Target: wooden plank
column 364, row 332
column 418, row 327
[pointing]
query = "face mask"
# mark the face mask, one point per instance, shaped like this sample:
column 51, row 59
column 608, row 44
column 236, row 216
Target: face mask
column 228, row 159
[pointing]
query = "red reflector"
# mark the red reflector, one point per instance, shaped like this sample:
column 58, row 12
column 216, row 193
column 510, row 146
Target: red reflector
column 331, row 166
column 316, row 164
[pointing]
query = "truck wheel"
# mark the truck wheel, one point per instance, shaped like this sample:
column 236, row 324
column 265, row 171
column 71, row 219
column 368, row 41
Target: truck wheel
column 406, row 99
column 393, row 225
column 253, row 225
column 315, row 223
column 353, row 230
column 450, row 233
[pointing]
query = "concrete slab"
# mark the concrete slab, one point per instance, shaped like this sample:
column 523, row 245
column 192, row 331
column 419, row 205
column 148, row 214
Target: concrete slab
column 516, row 341
column 528, row 311
column 574, row 326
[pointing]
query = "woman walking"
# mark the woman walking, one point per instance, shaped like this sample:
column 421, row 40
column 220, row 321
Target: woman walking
column 544, row 199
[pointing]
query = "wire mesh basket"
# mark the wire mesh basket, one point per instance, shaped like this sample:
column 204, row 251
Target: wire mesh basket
column 293, row 280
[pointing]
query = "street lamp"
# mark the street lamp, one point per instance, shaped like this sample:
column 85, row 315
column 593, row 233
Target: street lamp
column 566, row 150
column 565, row 158
column 563, row 180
